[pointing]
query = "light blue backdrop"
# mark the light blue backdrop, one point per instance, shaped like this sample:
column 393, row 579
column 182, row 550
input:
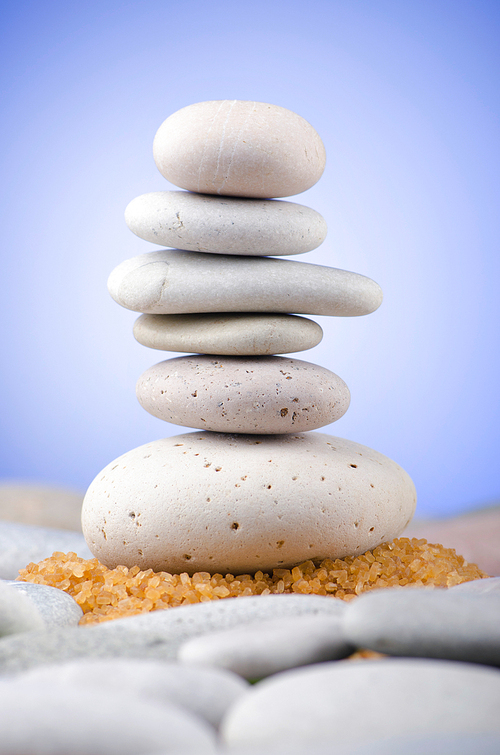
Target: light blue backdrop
column 406, row 98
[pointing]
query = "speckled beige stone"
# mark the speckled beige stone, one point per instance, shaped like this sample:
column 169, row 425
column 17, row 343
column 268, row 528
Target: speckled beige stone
column 239, row 148
column 225, row 225
column 270, row 395
column 238, row 503
column 232, row 334
column 172, row 282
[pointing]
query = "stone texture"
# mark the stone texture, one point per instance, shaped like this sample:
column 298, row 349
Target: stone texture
column 230, row 334
column 239, row 148
column 56, row 607
column 156, row 635
column 430, row 744
column 172, row 282
column 17, row 612
column 41, row 505
column 64, row 720
column 21, row 544
column 160, row 681
column 223, row 225
column 269, row 395
column 489, row 587
column 475, row 535
column 348, row 704
column 239, row 503
column 258, row 650
column 426, row 623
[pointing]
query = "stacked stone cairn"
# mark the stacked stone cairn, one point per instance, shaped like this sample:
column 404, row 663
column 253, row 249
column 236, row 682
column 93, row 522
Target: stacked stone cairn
column 253, row 489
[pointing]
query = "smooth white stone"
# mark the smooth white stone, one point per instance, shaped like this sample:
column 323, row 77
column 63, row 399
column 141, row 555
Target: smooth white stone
column 21, row 544
column 17, row 612
column 239, row 503
column 239, row 148
column 224, row 225
column 56, row 607
column 172, row 282
column 426, row 623
column 352, row 704
column 161, row 681
column 230, row 334
column 42, row 719
column 269, row 395
column 258, row 650
column 155, row 635
column 490, row 586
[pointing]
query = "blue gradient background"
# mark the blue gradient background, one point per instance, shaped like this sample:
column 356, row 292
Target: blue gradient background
column 405, row 96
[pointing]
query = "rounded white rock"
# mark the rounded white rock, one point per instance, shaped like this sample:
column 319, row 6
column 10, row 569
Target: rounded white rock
column 224, row 503
column 263, row 395
column 225, row 225
column 239, row 148
column 172, row 282
column 230, row 333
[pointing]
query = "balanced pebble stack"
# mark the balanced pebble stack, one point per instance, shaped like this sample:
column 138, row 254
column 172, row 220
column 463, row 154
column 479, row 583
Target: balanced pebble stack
column 253, row 489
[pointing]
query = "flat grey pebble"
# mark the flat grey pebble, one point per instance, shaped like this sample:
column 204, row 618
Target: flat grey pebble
column 173, row 282
column 153, row 635
column 349, row 704
column 426, row 623
column 259, row 649
column 490, row 586
column 162, row 681
column 195, row 620
column 20, row 544
column 56, row 607
column 42, row 719
column 221, row 225
column 17, row 612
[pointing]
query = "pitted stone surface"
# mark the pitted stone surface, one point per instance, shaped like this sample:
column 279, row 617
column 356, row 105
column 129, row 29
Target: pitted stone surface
column 426, row 623
column 232, row 334
column 239, row 148
column 239, row 503
column 223, row 225
column 173, row 282
column 270, row 395
column 348, row 704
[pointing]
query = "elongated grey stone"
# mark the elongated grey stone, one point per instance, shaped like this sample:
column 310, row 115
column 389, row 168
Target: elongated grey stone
column 21, row 544
column 232, row 334
column 490, row 586
column 56, row 607
column 426, row 623
column 348, row 704
column 224, row 225
column 42, row 719
column 259, row 649
column 176, row 282
column 153, row 635
column 191, row 687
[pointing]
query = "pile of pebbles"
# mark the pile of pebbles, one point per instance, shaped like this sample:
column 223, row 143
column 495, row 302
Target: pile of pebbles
column 407, row 670
column 255, row 489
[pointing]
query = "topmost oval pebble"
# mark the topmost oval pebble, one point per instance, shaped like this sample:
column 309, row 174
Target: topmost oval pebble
column 239, row 148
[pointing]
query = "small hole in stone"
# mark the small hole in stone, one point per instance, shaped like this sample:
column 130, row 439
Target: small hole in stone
column 284, row 412
column 132, row 514
column 235, row 526
column 139, row 551
column 354, row 466
column 187, row 557
column 269, row 487
column 371, row 529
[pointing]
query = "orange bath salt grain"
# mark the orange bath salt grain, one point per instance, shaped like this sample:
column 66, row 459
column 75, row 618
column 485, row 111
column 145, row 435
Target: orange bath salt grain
column 105, row 594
